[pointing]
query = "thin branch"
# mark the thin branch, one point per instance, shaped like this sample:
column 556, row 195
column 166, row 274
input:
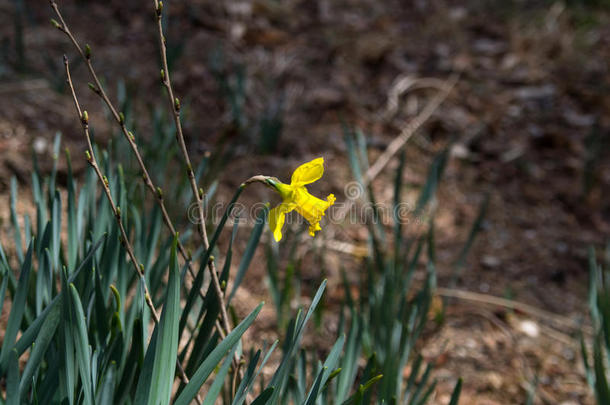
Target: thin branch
column 139, row 268
column 407, row 132
column 174, row 105
column 558, row 320
column 406, row 83
column 99, row 90
column 403, row 137
column 198, row 193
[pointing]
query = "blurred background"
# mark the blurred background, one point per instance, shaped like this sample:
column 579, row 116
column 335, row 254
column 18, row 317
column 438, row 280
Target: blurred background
column 516, row 92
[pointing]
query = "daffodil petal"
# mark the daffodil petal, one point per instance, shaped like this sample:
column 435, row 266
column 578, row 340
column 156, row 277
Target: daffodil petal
column 313, row 228
column 296, row 197
column 308, row 172
column 277, row 217
column 312, row 208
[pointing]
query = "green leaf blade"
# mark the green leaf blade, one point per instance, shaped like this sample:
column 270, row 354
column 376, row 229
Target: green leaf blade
column 81, row 343
column 208, row 365
column 17, row 309
column 166, row 349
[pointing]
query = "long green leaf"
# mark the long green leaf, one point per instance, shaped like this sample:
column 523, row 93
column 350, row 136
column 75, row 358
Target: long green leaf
column 349, row 363
column 15, row 221
column 219, row 380
column 247, row 379
column 17, row 309
column 249, row 252
column 167, row 337
column 106, row 390
column 264, row 397
column 328, row 367
column 12, row 380
column 81, row 343
column 246, row 384
column 477, row 225
column 426, row 395
column 455, row 396
column 423, row 380
column 45, row 391
column 27, row 338
column 73, row 241
column 602, row 392
column 56, row 230
column 47, row 331
column 5, row 278
column 210, row 363
column 363, row 389
column 435, row 173
column 144, row 382
column 51, row 180
column 397, row 209
column 69, row 375
column 279, row 378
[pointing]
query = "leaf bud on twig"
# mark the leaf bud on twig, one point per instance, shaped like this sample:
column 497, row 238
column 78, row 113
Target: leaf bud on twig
column 93, row 88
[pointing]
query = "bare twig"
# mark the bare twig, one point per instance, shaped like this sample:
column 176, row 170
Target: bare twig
column 24, row 86
column 404, row 83
column 407, row 132
column 558, row 320
column 148, row 182
column 139, row 268
column 198, row 194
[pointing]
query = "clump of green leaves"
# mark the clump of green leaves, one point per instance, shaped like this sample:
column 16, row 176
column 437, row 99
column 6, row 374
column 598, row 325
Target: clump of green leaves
column 77, row 316
column 391, row 313
column 79, row 331
column 381, row 327
column 83, row 324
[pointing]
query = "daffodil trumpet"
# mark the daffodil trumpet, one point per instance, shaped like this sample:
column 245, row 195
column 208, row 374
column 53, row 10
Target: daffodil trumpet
column 296, row 197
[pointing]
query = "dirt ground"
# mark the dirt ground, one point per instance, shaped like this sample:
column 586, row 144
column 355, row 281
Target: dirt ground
column 529, row 117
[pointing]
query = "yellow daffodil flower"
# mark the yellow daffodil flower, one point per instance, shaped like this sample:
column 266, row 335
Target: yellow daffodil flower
column 296, row 197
